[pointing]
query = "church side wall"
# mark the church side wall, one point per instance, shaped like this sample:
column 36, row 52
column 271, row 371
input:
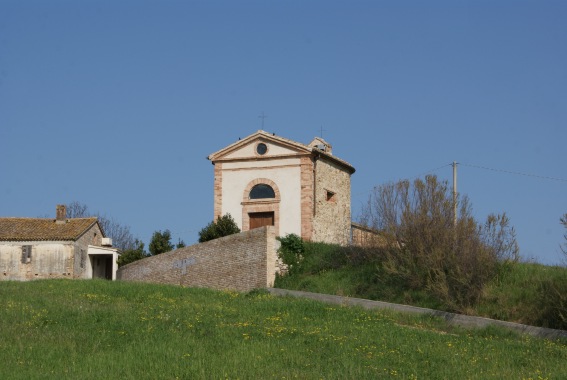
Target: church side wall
column 332, row 215
column 240, row 262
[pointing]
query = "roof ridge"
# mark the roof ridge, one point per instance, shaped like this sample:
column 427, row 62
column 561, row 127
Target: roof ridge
column 31, row 217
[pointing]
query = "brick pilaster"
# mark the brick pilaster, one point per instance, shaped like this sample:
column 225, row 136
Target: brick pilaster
column 218, row 191
column 307, row 183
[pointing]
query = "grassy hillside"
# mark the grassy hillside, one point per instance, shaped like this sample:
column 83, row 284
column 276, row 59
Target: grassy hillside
column 97, row 329
column 526, row 293
column 522, row 295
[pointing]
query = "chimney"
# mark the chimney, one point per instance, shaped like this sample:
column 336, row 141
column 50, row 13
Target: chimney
column 61, row 214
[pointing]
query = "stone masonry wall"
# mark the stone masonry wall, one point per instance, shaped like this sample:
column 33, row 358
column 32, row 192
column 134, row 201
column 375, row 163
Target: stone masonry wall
column 240, row 262
column 366, row 237
column 331, row 219
column 79, row 264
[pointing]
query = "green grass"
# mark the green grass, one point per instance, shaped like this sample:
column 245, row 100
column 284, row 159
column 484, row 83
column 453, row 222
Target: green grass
column 96, row 329
column 359, row 281
column 519, row 294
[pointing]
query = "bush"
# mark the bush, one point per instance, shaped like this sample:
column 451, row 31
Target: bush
column 552, row 305
column 426, row 249
column 291, row 252
column 130, row 255
column 161, row 242
column 224, row 226
column 308, row 258
column 319, row 257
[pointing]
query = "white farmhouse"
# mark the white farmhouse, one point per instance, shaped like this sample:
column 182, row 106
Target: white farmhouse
column 39, row 248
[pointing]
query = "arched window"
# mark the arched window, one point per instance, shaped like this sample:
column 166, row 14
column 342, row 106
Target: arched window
column 262, row 191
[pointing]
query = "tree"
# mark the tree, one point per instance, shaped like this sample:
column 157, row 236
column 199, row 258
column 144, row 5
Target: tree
column 77, row 210
column 425, row 249
column 180, row 244
column 121, row 236
column 224, row 226
column 160, row 243
column 130, row 255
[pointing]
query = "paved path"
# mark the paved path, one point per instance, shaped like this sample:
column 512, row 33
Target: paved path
column 456, row 319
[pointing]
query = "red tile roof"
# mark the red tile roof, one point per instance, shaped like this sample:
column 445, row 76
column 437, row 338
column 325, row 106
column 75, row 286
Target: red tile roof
column 32, row 229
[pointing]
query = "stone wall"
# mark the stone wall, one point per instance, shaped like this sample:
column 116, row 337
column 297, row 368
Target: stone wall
column 240, row 262
column 79, row 264
column 366, row 237
column 331, row 219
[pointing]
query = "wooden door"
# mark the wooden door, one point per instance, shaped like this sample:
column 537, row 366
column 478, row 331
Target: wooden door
column 261, row 219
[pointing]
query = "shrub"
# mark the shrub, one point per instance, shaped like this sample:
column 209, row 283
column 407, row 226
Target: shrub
column 552, row 303
column 291, row 252
column 426, row 249
column 160, row 242
column 130, row 255
column 309, row 258
column 319, row 257
column 552, row 306
column 224, row 226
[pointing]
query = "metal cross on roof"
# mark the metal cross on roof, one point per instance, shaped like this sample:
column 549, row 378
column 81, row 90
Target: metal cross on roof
column 262, row 116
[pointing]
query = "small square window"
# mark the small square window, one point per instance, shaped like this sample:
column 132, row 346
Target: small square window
column 331, row 197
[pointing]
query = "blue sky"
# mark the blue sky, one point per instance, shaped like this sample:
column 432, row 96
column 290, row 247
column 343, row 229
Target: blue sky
column 117, row 104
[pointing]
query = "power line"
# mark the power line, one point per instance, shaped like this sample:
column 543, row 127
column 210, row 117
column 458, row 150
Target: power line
column 516, row 173
column 411, row 178
column 432, row 170
column 478, row 167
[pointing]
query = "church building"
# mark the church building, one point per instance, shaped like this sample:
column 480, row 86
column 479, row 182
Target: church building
column 264, row 179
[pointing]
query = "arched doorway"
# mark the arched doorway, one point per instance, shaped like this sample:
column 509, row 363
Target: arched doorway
column 260, row 205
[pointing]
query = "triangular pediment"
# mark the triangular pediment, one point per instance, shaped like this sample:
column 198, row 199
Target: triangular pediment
column 260, row 145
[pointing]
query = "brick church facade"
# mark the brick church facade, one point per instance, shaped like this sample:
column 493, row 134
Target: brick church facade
column 264, row 179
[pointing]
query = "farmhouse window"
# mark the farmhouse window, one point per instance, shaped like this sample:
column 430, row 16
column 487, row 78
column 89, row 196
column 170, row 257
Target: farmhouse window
column 26, row 254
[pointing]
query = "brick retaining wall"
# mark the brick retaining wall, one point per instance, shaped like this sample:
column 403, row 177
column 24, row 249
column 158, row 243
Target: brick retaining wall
column 240, row 262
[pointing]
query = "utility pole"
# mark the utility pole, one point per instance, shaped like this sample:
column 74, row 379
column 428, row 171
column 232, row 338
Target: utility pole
column 455, row 193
